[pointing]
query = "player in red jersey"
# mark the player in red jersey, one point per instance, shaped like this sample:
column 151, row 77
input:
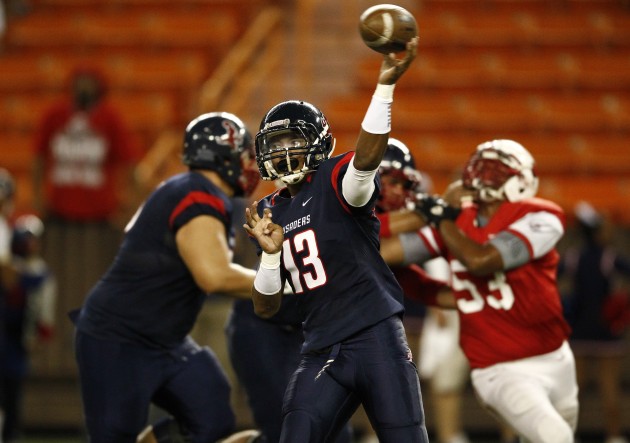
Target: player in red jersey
column 501, row 249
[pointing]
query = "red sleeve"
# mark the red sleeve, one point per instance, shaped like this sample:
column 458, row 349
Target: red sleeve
column 418, row 285
column 385, row 231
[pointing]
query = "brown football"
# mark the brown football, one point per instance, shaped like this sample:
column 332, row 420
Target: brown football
column 387, row 28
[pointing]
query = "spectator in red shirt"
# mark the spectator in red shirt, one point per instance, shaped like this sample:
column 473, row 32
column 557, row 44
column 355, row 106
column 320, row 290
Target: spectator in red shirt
column 82, row 144
column 83, row 183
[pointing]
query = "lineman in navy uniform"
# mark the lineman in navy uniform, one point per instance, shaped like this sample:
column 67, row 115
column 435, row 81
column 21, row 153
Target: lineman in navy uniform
column 132, row 342
column 323, row 240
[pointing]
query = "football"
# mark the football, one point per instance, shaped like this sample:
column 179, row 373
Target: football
column 387, row 28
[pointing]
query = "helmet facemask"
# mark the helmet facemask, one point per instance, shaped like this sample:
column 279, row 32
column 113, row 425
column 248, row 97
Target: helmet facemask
column 249, row 176
column 289, row 152
column 293, row 140
column 501, row 170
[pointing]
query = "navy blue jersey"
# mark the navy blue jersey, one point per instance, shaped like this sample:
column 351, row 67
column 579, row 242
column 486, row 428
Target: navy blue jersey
column 331, row 257
column 148, row 295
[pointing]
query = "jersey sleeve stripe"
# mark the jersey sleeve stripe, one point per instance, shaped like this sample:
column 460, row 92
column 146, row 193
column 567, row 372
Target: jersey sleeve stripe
column 197, row 197
column 429, row 238
column 335, row 178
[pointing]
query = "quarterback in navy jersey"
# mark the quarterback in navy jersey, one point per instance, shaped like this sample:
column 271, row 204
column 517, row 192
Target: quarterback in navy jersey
column 320, row 235
column 132, row 342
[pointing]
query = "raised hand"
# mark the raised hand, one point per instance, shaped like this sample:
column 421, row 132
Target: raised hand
column 434, row 209
column 393, row 68
column 268, row 234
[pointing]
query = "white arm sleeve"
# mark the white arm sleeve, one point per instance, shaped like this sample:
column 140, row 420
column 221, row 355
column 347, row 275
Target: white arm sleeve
column 540, row 231
column 358, row 186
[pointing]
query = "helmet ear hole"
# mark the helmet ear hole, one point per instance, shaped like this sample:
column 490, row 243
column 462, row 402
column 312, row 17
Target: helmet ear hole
column 522, row 186
column 513, row 188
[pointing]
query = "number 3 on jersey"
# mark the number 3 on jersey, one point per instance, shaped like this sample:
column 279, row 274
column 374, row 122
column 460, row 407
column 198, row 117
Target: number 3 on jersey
column 304, row 241
column 498, row 295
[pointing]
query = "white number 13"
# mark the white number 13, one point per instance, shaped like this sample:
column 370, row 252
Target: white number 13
column 304, row 241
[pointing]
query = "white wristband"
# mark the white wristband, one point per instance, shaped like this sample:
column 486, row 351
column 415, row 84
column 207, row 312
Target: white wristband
column 268, row 281
column 270, row 261
column 385, row 92
column 378, row 118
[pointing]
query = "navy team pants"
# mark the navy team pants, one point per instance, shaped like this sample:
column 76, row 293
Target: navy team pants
column 120, row 380
column 264, row 355
column 374, row 367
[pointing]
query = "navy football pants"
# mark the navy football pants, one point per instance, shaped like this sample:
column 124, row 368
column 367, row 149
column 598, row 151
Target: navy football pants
column 264, row 355
column 120, row 380
column 373, row 367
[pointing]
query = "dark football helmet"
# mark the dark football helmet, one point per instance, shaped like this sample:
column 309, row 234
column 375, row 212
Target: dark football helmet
column 27, row 230
column 220, row 142
column 7, row 185
column 400, row 180
column 501, row 170
column 307, row 141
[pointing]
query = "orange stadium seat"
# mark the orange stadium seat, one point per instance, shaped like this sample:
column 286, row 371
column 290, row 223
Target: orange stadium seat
column 39, row 30
column 585, row 113
column 521, row 24
column 578, row 152
column 22, row 112
column 214, row 31
column 17, row 152
column 555, row 153
column 239, row 5
column 601, row 70
column 506, row 68
column 603, row 191
column 179, row 72
column 148, row 112
column 500, row 112
column 539, row 6
column 49, row 71
column 431, row 71
column 604, row 153
column 145, row 113
column 27, row 72
column 175, row 71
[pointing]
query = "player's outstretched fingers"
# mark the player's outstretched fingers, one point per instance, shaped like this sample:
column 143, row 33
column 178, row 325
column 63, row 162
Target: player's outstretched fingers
column 251, row 217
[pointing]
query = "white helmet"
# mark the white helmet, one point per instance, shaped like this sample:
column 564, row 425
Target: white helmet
column 501, row 170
